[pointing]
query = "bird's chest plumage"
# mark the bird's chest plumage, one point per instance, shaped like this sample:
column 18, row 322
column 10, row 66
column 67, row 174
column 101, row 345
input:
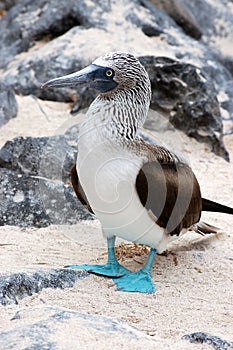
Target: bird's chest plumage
column 108, row 172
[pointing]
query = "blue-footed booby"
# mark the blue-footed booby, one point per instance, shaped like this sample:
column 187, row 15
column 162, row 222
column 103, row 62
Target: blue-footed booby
column 140, row 192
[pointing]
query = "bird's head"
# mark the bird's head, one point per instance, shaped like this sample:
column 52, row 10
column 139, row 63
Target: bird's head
column 109, row 73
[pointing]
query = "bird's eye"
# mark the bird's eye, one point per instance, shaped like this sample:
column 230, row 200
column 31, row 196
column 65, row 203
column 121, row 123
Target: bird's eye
column 109, row 73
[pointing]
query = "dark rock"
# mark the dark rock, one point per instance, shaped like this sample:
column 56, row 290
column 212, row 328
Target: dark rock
column 201, row 337
column 47, row 157
column 8, row 103
column 61, row 56
column 49, row 325
column 35, row 184
column 14, row 287
column 32, row 201
column 150, row 28
column 29, row 74
column 29, row 21
column 216, row 22
column 181, row 15
column 81, row 22
column 187, row 96
column 7, row 4
column 67, row 53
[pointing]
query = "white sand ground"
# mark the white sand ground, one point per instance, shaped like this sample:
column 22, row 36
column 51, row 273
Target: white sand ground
column 194, row 279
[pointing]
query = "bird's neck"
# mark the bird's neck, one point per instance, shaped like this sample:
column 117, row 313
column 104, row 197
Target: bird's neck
column 116, row 117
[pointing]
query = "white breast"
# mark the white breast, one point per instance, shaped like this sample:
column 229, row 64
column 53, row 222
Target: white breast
column 107, row 172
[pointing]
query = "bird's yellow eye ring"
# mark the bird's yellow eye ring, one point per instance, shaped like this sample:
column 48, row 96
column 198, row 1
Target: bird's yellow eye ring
column 109, row 73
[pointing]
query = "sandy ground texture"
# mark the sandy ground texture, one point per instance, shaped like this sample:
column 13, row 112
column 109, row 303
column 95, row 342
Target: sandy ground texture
column 193, row 277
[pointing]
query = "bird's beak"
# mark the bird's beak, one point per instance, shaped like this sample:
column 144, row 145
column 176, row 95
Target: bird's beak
column 84, row 76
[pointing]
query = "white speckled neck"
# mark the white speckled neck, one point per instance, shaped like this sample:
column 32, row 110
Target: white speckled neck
column 118, row 117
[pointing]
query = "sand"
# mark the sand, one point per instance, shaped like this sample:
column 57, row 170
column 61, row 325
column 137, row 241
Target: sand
column 193, row 278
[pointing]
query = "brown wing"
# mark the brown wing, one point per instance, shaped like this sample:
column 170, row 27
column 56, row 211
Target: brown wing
column 170, row 191
column 78, row 189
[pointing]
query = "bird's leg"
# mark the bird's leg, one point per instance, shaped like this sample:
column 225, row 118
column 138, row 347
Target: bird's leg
column 111, row 269
column 139, row 281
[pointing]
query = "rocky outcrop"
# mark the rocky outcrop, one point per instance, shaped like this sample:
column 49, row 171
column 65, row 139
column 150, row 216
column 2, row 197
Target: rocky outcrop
column 60, row 56
column 216, row 342
column 16, row 286
column 35, row 188
column 7, row 4
column 8, row 103
column 27, row 22
column 74, row 28
column 187, row 96
column 181, row 15
column 59, row 328
column 45, row 157
column 31, row 201
column 215, row 20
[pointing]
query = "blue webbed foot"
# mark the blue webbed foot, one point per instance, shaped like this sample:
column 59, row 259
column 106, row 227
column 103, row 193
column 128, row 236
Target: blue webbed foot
column 139, row 281
column 109, row 269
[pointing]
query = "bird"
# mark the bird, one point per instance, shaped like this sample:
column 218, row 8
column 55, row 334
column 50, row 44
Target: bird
column 140, row 192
